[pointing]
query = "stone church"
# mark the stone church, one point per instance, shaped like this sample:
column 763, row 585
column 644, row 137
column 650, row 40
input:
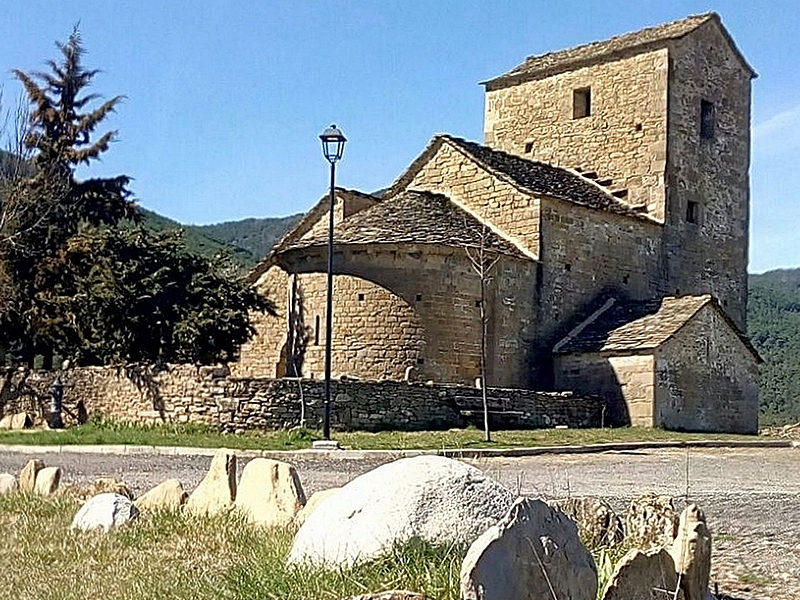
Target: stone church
column 611, row 193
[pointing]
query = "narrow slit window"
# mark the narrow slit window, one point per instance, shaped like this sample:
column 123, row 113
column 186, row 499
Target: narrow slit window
column 528, row 147
column 707, row 120
column 316, row 331
column 581, row 103
column 692, row 212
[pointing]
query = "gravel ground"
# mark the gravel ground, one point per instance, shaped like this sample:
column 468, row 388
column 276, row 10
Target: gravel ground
column 751, row 497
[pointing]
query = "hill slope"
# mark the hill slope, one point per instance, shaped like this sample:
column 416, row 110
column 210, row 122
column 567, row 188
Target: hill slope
column 773, row 321
column 245, row 242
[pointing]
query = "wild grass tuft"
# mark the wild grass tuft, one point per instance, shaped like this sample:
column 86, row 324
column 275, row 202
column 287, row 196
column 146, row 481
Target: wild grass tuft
column 170, row 556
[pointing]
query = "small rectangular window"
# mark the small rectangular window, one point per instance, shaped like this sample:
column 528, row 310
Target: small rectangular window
column 692, row 212
column 361, row 297
column 581, row 103
column 707, row 120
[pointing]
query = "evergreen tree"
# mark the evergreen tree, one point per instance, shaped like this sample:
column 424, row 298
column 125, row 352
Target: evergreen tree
column 47, row 204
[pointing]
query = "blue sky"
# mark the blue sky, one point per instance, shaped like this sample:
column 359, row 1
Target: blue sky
column 225, row 99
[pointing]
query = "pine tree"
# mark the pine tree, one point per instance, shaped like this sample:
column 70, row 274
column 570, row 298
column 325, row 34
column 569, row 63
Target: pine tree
column 46, row 205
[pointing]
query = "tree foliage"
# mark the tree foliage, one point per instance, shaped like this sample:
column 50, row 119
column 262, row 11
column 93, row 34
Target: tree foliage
column 773, row 322
column 80, row 282
column 120, row 295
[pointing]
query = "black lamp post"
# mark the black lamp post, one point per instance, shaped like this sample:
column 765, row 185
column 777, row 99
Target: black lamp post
column 332, row 147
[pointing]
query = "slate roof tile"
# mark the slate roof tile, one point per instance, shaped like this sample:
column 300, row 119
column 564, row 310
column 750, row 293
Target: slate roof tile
column 536, row 67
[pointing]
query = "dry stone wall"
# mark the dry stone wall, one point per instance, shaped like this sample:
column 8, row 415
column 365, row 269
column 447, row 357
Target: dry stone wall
column 185, row 393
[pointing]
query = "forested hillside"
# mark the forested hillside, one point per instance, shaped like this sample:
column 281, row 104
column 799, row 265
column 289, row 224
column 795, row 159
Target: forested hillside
column 773, row 315
column 246, row 241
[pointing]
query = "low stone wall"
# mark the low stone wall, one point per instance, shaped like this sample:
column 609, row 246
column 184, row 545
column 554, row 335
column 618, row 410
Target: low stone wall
column 189, row 394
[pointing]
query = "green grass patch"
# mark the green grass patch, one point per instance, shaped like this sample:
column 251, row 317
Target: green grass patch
column 168, row 556
column 111, row 432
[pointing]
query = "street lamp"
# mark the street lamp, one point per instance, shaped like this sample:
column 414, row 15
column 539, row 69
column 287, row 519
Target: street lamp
column 332, row 147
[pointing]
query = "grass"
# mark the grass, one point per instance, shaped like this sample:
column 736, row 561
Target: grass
column 170, row 556
column 111, row 432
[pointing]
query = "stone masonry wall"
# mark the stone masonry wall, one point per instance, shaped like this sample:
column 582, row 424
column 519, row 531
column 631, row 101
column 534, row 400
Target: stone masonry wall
column 624, row 137
column 377, row 334
column 709, row 255
column 626, row 382
column 706, row 379
column 457, row 176
column 184, row 393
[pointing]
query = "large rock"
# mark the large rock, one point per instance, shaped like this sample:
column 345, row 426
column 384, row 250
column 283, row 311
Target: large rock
column 269, row 493
column 104, row 511
column 533, row 552
column 598, row 524
column 47, row 481
column 109, row 485
column 644, row 576
column 433, row 498
column 312, row 504
column 217, row 492
column 27, row 477
column 167, row 495
column 691, row 552
column 16, row 421
column 651, row 522
column 8, row 484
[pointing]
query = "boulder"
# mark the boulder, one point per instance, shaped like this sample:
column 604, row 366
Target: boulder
column 598, row 524
column 644, row 576
column 47, row 481
column 391, row 595
column 691, row 552
column 533, row 552
column 27, row 477
column 109, row 485
column 104, row 511
column 217, row 492
column 16, row 421
column 8, row 484
column 433, row 498
column 167, row 495
column 269, row 493
column 651, row 522
column 312, row 504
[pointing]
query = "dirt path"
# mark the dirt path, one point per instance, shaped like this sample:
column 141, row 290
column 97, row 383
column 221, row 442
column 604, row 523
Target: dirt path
column 751, row 496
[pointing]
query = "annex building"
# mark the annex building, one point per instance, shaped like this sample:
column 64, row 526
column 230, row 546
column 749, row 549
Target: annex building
column 611, row 191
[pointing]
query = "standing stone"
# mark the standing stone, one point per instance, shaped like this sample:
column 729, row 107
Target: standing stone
column 8, row 484
column 312, row 504
column 16, row 421
column 431, row 498
column 27, row 477
column 217, row 492
column 47, row 481
column 691, row 552
column 104, row 511
column 651, row 522
column 644, row 576
column 269, row 493
column 534, row 552
column 167, row 495
column 598, row 524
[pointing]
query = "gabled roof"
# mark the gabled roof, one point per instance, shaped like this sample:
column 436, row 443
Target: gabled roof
column 630, row 326
column 530, row 176
column 651, row 38
column 317, row 212
column 411, row 217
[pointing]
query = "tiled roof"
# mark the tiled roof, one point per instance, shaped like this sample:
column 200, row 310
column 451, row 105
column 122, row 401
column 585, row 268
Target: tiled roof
column 536, row 67
column 410, row 217
column 542, row 178
column 628, row 326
